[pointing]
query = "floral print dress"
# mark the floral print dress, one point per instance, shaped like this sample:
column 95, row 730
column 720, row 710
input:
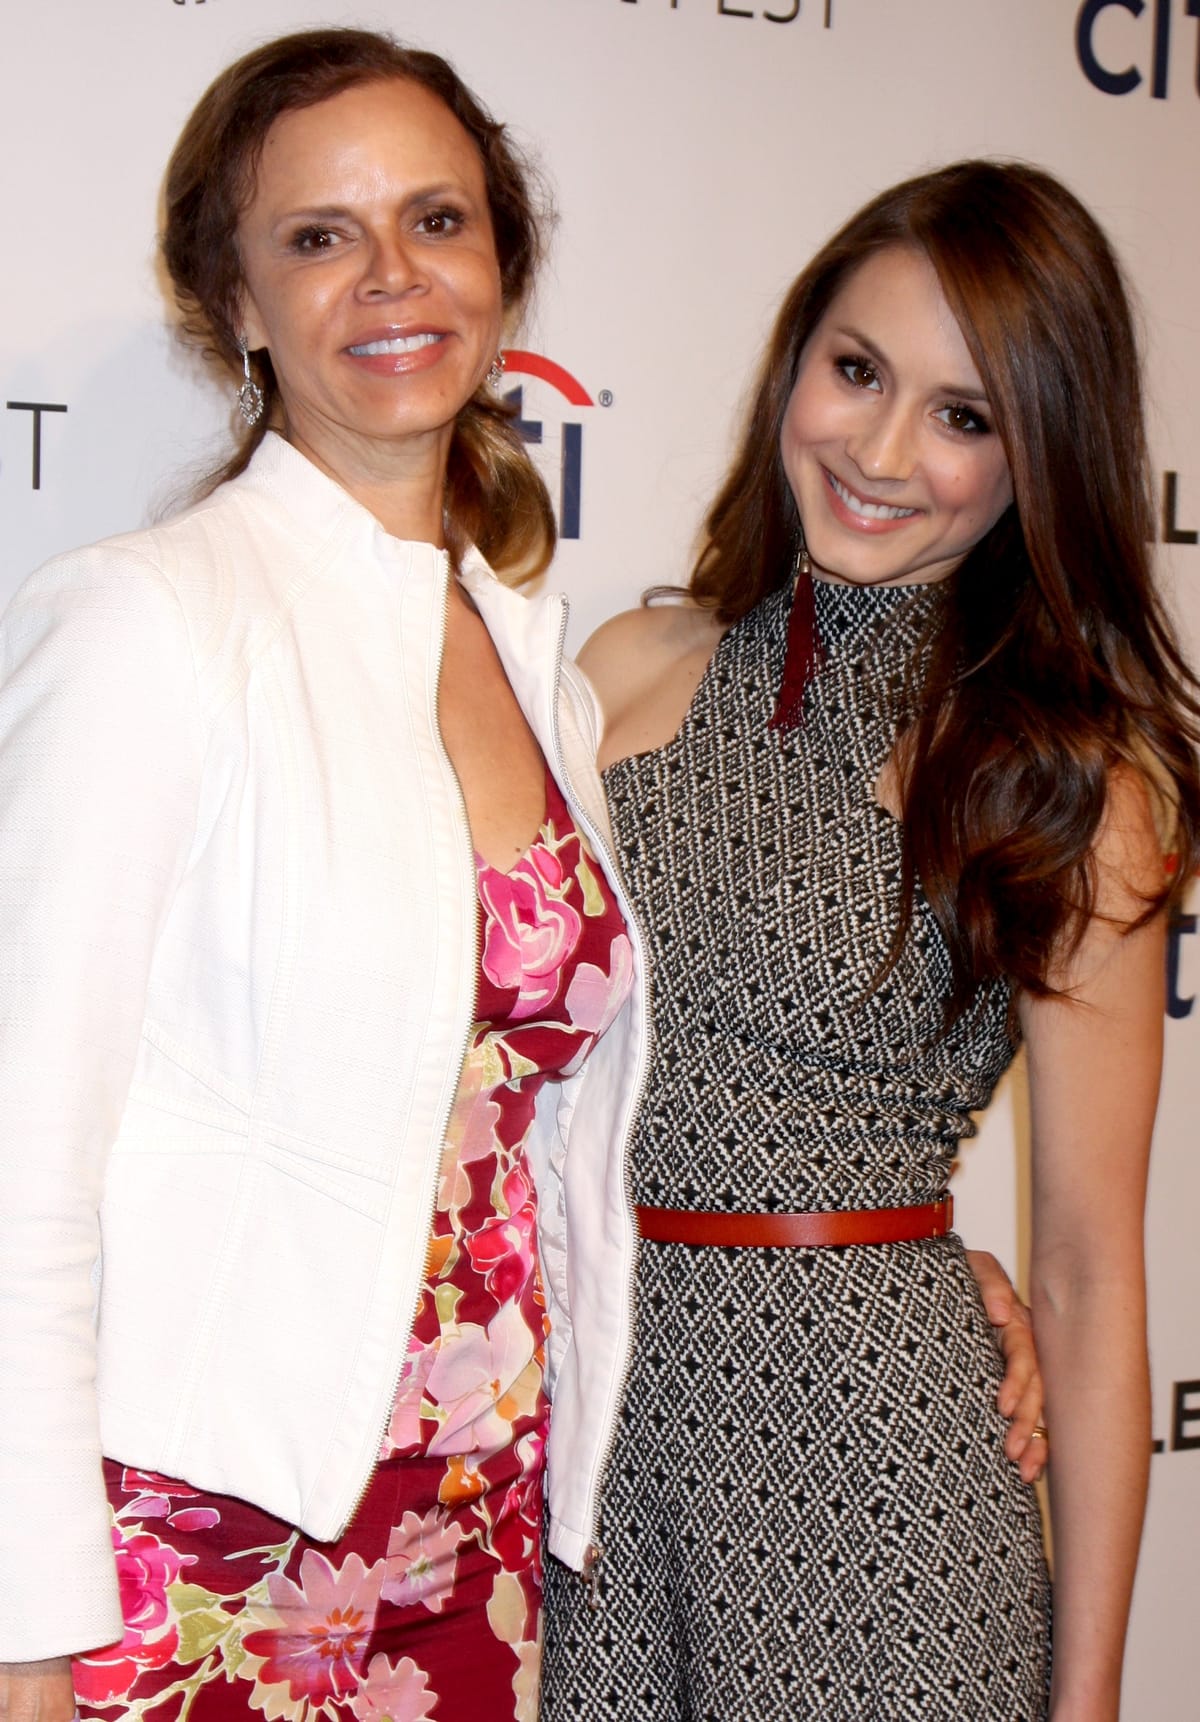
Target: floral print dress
column 430, row 1604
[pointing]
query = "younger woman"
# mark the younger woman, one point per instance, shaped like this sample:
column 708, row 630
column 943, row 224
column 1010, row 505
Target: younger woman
column 888, row 794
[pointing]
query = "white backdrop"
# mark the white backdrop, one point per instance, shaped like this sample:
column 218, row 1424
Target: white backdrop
column 698, row 151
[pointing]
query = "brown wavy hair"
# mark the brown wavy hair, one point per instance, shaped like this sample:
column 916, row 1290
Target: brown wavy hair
column 494, row 495
column 1053, row 660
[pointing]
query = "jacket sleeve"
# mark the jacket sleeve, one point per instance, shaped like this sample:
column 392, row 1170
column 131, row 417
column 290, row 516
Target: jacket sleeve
column 100, row 745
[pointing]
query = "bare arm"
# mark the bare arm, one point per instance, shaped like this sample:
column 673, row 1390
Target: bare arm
column 1094, row 1066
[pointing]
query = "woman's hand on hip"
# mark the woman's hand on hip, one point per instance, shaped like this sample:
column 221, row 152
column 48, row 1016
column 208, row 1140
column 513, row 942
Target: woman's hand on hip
column 1021, row 1397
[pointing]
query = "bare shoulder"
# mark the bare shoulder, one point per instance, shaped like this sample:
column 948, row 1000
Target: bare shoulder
column 1129, row 845
column 1119, row 952
column 645, row 666
column 641, row 643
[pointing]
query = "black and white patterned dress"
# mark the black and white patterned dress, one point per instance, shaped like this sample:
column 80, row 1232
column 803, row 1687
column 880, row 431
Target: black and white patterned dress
column 808, row 1511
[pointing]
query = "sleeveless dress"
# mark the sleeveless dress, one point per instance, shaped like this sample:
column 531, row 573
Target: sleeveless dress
column 808, row 1511
column 430, row 1604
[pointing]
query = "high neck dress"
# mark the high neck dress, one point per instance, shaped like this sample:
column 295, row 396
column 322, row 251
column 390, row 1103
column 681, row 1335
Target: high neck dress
column 808, row 1511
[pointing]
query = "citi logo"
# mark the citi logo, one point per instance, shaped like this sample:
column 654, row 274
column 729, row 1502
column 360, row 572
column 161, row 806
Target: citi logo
column 558, row 439
column 1114, row 56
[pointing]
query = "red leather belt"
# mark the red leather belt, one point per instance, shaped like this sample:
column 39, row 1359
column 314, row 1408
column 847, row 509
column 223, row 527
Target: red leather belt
column 804, row 1231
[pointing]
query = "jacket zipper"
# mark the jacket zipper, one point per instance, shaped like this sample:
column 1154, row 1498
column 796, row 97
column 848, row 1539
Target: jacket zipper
column 444, row 1123
column 594, row 1551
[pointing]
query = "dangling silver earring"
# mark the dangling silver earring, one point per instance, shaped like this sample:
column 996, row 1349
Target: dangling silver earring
column 249, row 396
column 803, row 566
column 495, row 371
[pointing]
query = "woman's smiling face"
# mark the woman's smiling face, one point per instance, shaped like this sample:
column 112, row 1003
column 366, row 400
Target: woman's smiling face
column 887, row 440
column 370, row 268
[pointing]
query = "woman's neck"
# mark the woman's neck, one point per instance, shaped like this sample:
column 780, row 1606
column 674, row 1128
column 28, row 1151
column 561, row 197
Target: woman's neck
column 402, row 483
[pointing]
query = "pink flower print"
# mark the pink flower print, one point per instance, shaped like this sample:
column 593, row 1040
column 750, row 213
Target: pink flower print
column 515, row 1536
column 404, row 1426
column 148, row 1507
column 195, row 1519
column 527, row 1680
column 515, row 1619
column 145, row 1568
column 393, row 1694
column 471, row 1132
column 135, row 1482
column 593, row 997
column 517, row 1521
column 531, row 1451
column 475, row 1114
column 155, row 1496
column 313, row 1635
column 505, row 1249
column 150, row 1483
column 529, row 931
column 422, row 1559
column 483, row 1379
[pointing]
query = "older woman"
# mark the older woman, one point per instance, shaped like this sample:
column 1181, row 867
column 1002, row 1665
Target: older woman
column 322, row 1021
column 303, row 911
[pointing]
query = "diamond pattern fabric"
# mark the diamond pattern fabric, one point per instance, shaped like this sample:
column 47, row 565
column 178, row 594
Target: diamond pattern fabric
column 808, row 1511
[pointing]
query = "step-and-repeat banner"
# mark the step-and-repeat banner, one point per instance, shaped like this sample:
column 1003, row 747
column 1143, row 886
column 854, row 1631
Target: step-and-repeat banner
column 698, row 151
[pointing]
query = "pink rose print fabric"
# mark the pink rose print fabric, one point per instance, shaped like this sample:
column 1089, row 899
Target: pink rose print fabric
column 430, row 1605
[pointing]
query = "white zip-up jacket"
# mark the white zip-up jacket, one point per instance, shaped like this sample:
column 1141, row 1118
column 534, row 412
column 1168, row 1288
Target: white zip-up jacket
column 237, row 976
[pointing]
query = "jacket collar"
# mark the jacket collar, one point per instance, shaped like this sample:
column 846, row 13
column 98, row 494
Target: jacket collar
column 527, row 631
column 318, row 509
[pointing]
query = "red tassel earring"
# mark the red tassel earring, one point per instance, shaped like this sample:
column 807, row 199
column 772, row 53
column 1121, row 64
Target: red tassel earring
column 804, row 654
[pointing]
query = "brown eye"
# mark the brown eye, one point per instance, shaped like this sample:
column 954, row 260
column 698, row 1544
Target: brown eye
column 310, row 239
column 964, row 419
column 858, row 371
column 441, row 222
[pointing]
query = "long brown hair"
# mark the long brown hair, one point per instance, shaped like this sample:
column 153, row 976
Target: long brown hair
column 1053, row 660
column 494, row 496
